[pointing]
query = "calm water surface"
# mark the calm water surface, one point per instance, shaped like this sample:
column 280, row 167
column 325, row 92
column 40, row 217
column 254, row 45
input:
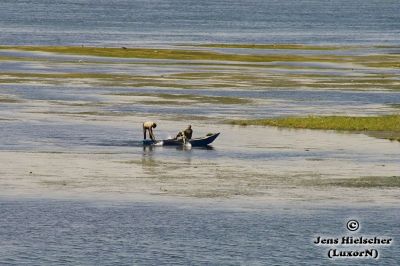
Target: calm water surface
column 143, row 22
column 53, row 232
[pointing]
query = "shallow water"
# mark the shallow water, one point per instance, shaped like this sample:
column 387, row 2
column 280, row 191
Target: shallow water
column 49, row 232
column 140, row 22
column 88, row 158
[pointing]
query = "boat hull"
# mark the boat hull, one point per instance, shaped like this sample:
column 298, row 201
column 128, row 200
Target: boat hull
column 196, row 142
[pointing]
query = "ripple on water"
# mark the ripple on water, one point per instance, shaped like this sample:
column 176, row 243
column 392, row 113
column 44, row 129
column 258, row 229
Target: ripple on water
column 48, row 232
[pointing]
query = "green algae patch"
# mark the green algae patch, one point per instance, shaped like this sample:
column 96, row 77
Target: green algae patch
column 347, row 123
column 272, row 46
column 69, row 75
column 358, row 182
column 386, row 127
column 390, row 135
column 376, row 60
column 54, row 182
column 105, row 79
column 11, row 58
column 174, row 54
column 5, row 99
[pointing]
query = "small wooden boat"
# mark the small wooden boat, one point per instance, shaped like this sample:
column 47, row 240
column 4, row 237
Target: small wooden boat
column 196, row 142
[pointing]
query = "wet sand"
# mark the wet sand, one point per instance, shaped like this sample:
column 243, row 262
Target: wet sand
column 267, row 165
column 67, row 136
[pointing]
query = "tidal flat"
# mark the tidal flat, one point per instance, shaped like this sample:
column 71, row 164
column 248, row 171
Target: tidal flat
column 71, row 122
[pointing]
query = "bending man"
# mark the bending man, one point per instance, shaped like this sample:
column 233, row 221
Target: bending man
column 148, row 126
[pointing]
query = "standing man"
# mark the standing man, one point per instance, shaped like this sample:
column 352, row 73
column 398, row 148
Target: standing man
column 186, row 134
column 148, row 126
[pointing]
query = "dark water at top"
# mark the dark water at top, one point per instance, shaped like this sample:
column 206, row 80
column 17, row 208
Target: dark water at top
column 145, row 22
